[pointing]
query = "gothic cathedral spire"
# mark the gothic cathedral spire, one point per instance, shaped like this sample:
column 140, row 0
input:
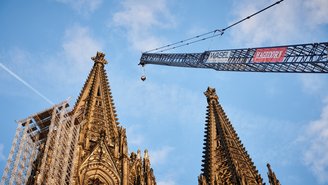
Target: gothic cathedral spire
column 95, row 106
column 225, row 160
column 87, row 146
column 101, row 141
column 102, row 151
column 83, row 146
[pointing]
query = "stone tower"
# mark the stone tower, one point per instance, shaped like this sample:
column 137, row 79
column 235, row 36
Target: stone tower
column 102, row 151
column 225, row 160
column 87, row 146
column 82, row 146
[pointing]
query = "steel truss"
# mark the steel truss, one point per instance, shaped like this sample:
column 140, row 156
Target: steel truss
column 303, row 58
column 43, row 148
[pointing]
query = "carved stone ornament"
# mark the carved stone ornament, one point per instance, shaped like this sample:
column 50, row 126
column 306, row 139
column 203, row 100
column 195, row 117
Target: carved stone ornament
column 99, row 58
column 210, row 93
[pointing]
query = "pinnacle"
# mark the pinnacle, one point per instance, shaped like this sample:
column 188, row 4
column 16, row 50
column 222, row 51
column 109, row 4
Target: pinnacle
column 210, row 93
column 99, row 58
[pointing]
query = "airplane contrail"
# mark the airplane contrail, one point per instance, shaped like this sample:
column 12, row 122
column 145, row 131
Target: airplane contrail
column 26, row 84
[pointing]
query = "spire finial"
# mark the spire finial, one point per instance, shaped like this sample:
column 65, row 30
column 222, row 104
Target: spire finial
column 99, row 58
column 138, row 154
column 146, row 156
column 210, row 93
column 272, row 176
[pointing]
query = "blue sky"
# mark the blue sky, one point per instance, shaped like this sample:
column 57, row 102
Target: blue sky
column 280, row 118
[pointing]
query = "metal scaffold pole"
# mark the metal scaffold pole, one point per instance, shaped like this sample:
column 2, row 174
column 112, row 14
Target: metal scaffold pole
column 43, row 149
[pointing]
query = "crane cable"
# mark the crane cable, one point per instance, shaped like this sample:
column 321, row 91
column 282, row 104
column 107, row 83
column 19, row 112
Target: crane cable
column 201, row 37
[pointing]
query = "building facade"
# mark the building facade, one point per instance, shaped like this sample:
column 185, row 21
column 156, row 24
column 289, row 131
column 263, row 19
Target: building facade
column 82, row 146
column 86, row 145
column 225, row 159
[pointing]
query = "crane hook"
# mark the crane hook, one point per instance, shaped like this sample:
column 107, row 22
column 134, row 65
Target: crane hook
column 143, row 77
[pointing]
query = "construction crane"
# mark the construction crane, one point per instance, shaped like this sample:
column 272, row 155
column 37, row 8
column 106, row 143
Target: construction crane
column 301, row 58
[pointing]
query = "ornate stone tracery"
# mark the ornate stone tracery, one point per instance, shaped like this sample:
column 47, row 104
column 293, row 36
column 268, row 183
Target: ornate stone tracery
column 87, row 146
column 225, row 160
column 103, row 144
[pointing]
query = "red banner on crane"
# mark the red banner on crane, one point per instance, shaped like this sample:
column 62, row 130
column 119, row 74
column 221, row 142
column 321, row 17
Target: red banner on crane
column 270, row 54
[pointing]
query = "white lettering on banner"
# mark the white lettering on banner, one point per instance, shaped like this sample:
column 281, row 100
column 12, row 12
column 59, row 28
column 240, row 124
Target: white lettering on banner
column 269, row 54
column 218, row 56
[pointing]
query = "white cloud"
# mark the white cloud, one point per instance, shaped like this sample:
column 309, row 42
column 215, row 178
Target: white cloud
column 252, row 128
column 21, row 67
column 134, row 137
column 318, row 11
column 82, row 6
column 17, row 57
column 313, row 83
column 138, row 18
column 61, row 71
column 79, row 45
column 160, row 156
column 316, row 141
column 289, row 22
column 2, row 156
column 137, row 98
column 166, row 182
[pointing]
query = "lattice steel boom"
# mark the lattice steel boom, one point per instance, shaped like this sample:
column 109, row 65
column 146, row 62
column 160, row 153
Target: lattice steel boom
column 302, row 58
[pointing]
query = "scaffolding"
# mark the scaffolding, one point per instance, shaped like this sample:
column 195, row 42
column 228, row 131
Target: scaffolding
column 43, row 148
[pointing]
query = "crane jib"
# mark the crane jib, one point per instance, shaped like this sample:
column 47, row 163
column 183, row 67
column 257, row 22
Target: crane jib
column 302, row 58
column 261, row 55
